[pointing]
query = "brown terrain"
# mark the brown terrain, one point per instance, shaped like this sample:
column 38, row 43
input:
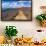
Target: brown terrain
column 9, row 14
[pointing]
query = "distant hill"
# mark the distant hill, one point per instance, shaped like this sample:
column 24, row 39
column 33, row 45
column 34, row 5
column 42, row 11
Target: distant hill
column 22, row 8
column 15, row 10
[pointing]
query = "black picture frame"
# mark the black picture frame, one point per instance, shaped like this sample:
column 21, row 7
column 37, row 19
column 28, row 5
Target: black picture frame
column 5, row 18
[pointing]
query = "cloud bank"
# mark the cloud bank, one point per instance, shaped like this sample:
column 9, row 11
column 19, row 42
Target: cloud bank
column 16, row 4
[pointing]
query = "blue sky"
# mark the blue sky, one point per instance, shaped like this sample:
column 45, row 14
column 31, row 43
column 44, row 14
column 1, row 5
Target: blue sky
column 8, row 0
column 14, row 0
column 16, row 4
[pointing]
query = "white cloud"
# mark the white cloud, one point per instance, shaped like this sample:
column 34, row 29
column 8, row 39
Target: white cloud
column 16, row 4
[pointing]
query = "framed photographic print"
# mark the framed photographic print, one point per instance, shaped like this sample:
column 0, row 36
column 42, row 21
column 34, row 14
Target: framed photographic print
column 20, row 10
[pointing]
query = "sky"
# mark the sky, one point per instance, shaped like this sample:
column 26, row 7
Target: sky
column 15, row 4
column 14, row 0
column 9, row 0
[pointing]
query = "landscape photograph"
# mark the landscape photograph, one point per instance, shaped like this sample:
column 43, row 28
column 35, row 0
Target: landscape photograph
column 13, row 10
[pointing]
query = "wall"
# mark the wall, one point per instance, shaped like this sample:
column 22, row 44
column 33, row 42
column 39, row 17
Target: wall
column 29, row 27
